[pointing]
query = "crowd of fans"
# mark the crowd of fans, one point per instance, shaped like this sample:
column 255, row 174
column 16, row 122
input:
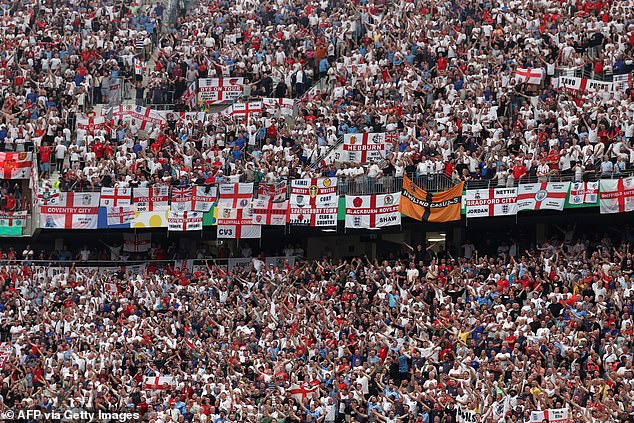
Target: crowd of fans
column 439, row 76
column 411, row 338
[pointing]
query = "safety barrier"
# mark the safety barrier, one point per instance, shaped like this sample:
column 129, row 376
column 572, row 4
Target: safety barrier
column 139, row 266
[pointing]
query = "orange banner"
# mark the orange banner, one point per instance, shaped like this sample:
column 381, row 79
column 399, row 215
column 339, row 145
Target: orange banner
column 422, row 205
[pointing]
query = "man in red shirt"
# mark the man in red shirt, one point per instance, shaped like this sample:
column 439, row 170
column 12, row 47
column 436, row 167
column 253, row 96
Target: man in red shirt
column 97, row 148
column 45, row 157
column 519, row 170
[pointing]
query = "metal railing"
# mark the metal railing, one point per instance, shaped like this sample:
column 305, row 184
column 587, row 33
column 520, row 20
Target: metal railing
column 140, row 265
column 553, row 177
column 365, row 185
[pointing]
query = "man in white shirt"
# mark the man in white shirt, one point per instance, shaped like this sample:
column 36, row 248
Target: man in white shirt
column 543, row 170
column 60, row 154
column 374, row 171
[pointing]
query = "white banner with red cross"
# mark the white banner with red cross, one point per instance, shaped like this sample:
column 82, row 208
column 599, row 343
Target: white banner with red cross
column 157, row 382
column 246, row 110
column 185, row 221
column 137, row 242
column 237, row 223
column 616, row 195
column 88, row 125
column 189, row 96
column 116, row 197
column 281, row 106
column 235, row 196
column 5, row 353
column 120, row 215
column 151, row 199
column 266, row 212
column 542, row 196
column 219, row 90
column 489, row 202
column 60, row 217
column 204, row 198
column 302, row 392
column 529, row 75
column 373, row 211
column 551, row 415
column 583, row 192
column 16, row 165
column 273, row 192
column 314, row 192
column 364, row 147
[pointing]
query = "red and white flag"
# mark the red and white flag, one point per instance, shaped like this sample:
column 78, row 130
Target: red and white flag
column 313, row 216
column 551, row 415
column 357, row 69
column 529, row 75
column 542, row 196
column 373, row 211
column 137, row 242
column 112, row 289
column 116, row 197
column 182, row 198
column 151, row 199
column 73, row 210
column 267, row 212
column 146, row 116
column 219, row 90
column 583, row 193
column 314, row 192
column 16, row 165
column 616, row 195
column 76, row 199
column 246, row 110
column 89, row 125
column 5, row 354
column 283, row 106
column 185, row 221
column 235, row 195
column 189, row 96
column 313, row 202
column 363, row 147
column 273, row 192
column 204, row 198
column 10, row 219
column 120, row 215
column 491, row 202
column 302, row 392
column 237, row 223
column 47, row 196
column 157, row 382
column 239, row 231
column 142, row 116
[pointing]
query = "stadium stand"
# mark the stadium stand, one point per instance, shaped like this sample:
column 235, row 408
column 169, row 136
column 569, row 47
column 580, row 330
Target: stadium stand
column 239, row 211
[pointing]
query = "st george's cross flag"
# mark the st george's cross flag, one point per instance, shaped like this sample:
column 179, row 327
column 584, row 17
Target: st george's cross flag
column 373, row 211
column 542, row 196
column 116, row 197
column 616, row 195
